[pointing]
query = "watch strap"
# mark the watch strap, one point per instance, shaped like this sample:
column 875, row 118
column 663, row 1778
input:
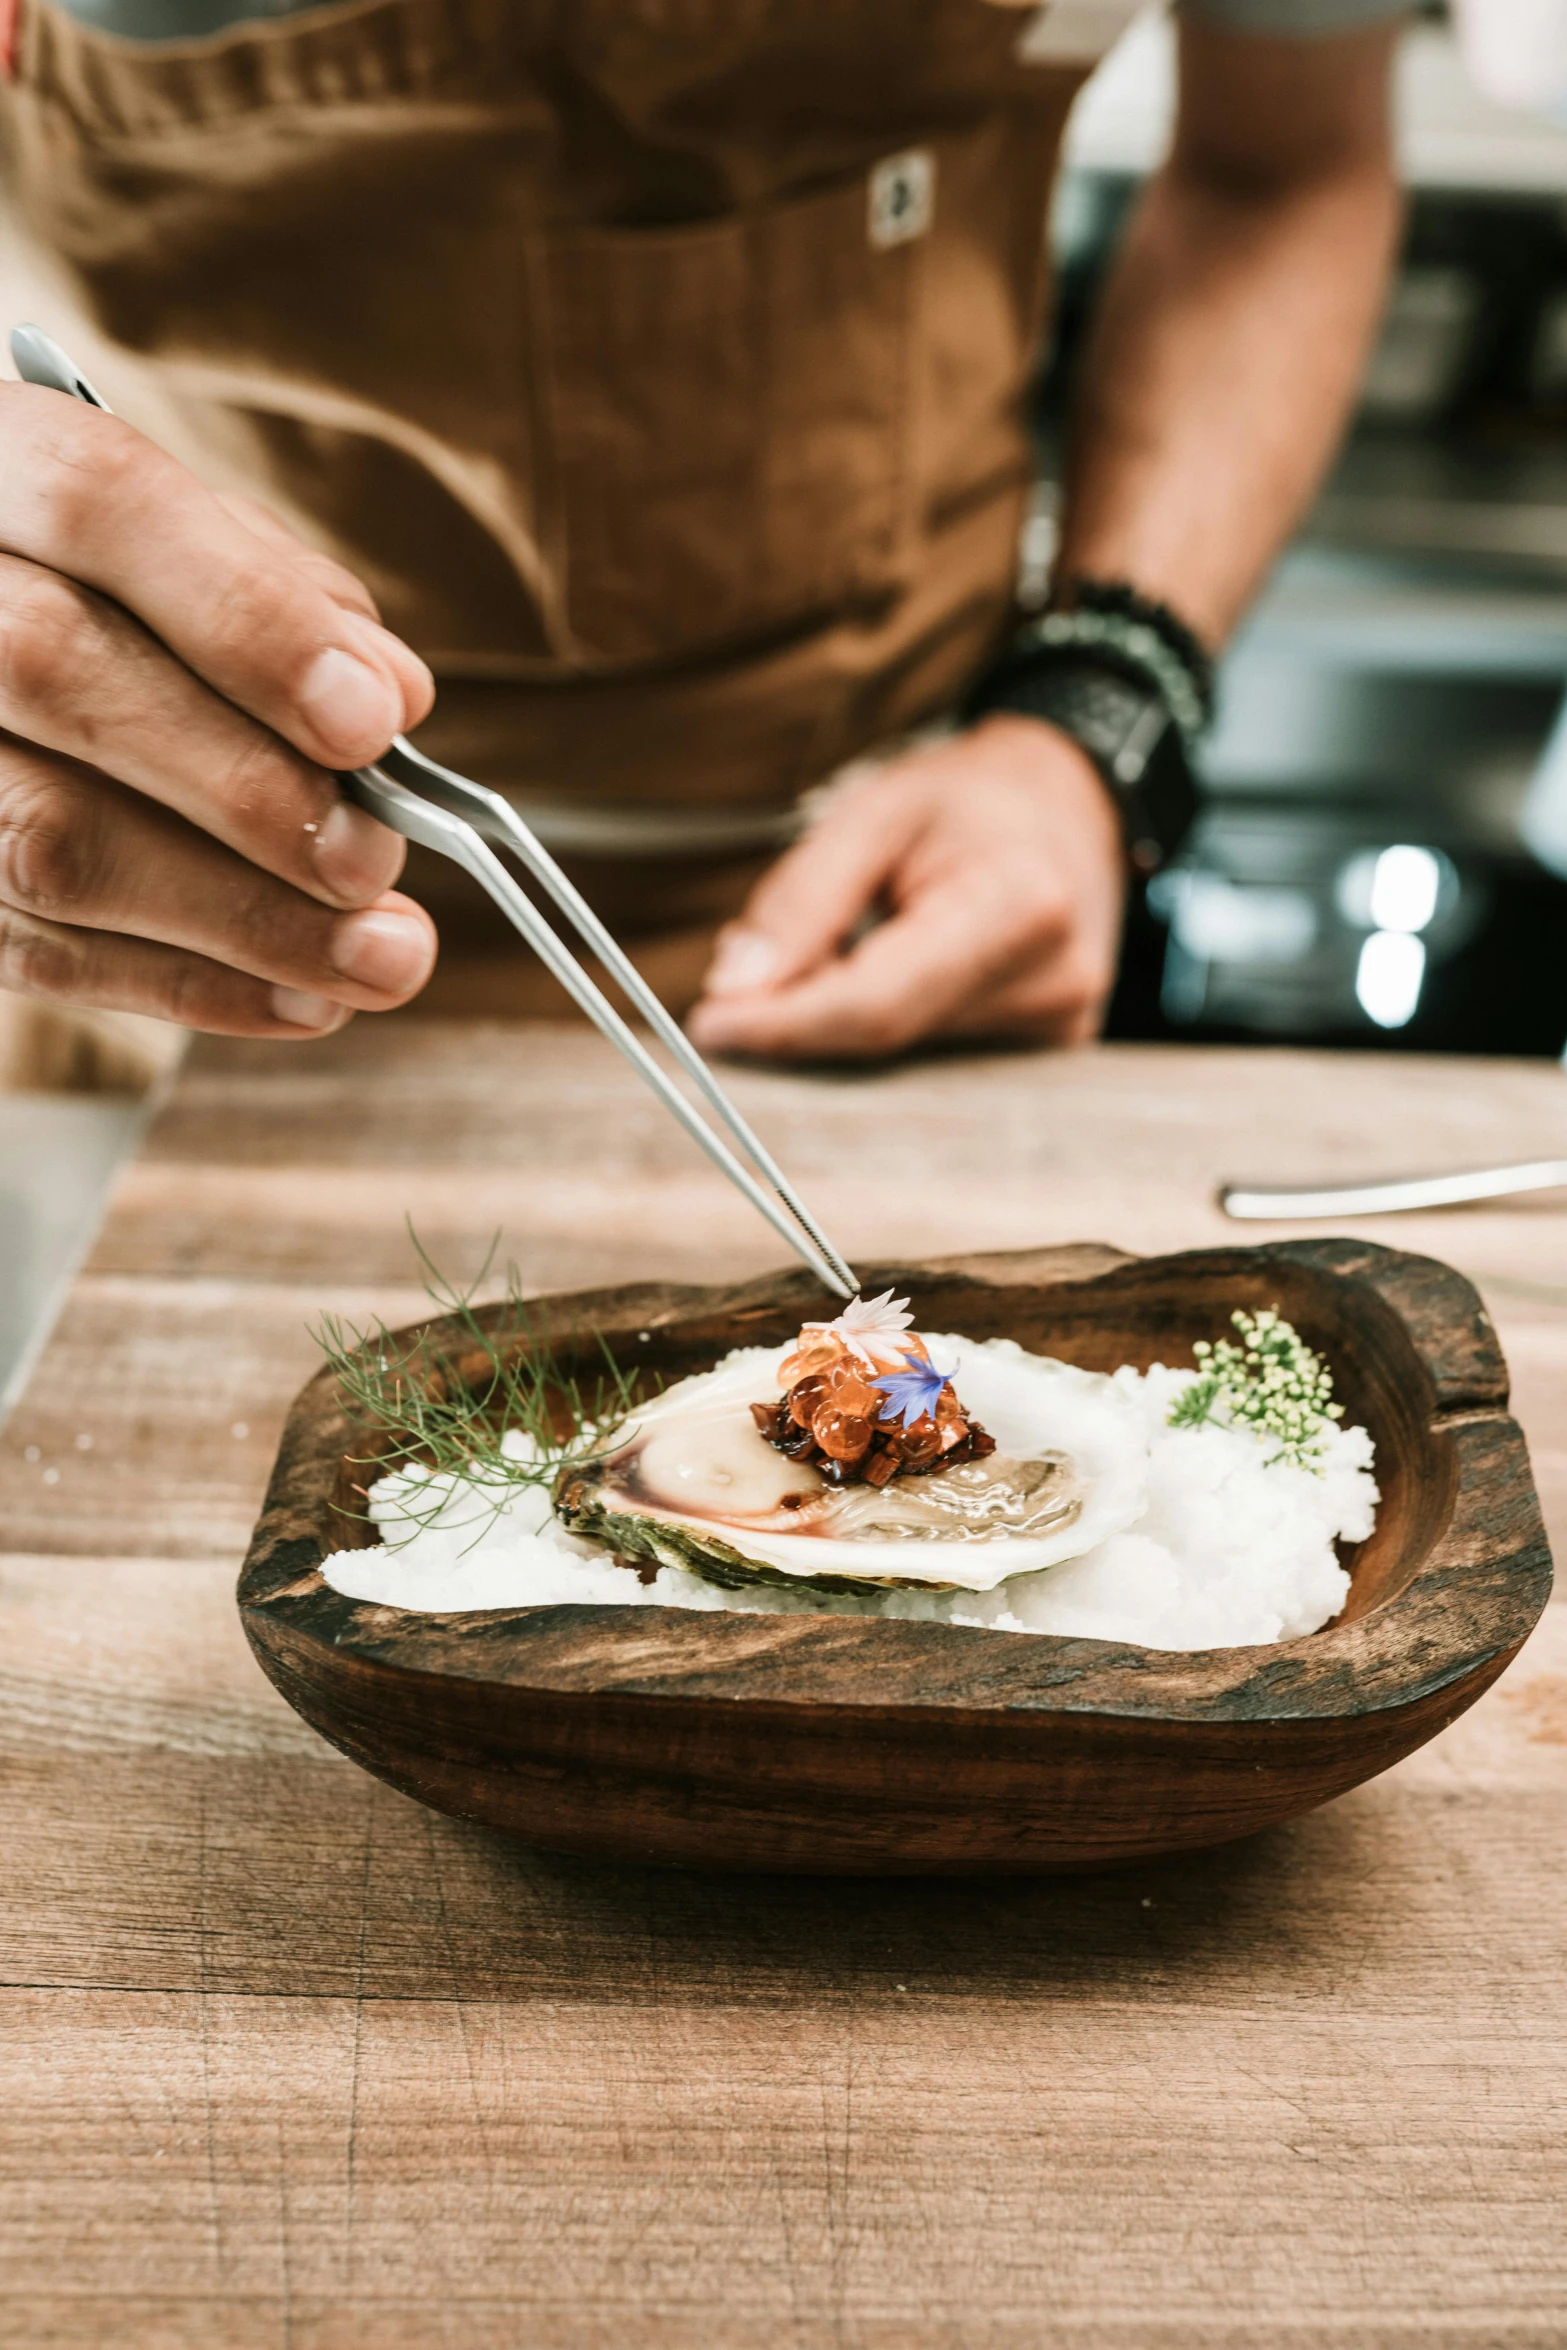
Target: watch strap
column 1124, row 725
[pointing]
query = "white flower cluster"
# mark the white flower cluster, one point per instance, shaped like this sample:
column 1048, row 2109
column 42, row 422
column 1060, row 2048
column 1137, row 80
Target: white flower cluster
column 1272, row 1384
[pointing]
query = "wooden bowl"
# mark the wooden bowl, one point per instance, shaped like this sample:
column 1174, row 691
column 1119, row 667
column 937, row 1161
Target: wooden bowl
column 862, row 1746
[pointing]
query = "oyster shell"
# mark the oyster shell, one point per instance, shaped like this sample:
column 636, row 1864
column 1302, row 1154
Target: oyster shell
column 692, row 1484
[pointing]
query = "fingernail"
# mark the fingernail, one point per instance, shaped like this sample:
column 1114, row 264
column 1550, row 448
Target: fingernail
column 355, row 856
column 299, row 1010
column 390, row 952
column 353, row 708
column 745, row 959
column 391, row 648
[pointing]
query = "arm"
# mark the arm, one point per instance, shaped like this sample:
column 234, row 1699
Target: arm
column 1230, row 342
column 1217, row 381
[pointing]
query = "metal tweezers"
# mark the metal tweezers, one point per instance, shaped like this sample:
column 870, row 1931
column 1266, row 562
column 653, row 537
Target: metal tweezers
column 457, row 818
column 447, row 813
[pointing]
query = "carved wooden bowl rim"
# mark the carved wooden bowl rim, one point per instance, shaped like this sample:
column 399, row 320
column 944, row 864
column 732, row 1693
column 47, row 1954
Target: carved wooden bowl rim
column 1456, row 1586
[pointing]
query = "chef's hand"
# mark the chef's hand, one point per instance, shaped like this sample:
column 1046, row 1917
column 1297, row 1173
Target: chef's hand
column 993, row 871
column 177, row 676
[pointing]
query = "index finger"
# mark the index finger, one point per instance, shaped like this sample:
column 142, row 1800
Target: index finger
column 809, row 902
column 84, row 494
column 902, row 981
column 338, row 583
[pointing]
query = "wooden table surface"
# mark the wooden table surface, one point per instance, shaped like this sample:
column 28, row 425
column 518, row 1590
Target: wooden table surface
column 286, row 2059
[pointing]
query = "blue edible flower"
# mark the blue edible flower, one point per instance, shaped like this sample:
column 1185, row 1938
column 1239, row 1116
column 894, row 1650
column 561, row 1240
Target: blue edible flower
column 911, row 1392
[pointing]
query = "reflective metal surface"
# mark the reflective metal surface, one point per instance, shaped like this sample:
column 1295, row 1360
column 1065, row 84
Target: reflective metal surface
column 1261, row 1203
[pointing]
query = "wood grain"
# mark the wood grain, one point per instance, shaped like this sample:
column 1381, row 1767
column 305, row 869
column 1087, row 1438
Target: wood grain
column 877, row 1747
column 288, row 2062
column 366, row 2068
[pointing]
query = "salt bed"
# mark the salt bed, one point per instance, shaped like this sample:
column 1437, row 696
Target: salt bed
column 1230, row 1548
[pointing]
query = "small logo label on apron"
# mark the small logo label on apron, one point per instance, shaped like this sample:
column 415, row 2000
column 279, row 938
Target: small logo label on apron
column 902, row 197
column 1073, row 31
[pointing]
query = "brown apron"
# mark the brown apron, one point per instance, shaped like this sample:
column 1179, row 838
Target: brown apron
column 660, row 364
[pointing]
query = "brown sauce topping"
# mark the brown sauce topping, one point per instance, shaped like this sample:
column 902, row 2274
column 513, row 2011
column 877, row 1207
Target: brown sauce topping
column 836, row 1420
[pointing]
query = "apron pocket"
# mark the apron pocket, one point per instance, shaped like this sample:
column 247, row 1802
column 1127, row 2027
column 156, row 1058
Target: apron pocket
column 728, row 411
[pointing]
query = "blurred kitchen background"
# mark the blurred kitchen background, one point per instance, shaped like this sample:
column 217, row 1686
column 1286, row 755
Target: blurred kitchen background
column 1375, row 864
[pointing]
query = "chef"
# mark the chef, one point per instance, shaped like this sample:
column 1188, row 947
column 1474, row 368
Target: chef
column 630, row 396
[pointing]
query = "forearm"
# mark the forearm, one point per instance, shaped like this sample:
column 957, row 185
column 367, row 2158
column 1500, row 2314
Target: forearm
column 1230, row 341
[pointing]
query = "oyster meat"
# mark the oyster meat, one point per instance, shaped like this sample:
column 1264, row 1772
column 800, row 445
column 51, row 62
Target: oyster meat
column 691, row 1482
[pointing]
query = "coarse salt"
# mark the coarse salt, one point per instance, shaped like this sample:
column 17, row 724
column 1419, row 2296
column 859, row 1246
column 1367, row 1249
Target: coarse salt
column 1232, row 1549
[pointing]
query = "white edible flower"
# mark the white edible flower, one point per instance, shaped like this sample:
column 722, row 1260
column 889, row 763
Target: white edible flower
column 872, row 1328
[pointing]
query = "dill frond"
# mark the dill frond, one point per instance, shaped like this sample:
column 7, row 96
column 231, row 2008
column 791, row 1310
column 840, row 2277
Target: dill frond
column 417, row 1412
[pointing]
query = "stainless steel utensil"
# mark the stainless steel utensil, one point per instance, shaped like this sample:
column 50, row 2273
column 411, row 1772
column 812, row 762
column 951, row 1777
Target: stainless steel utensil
column 1260, row 1202
column 40, row 360
column 448, row 813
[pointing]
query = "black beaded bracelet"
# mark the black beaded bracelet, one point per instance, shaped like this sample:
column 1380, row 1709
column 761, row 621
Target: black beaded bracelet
column 1145, row 640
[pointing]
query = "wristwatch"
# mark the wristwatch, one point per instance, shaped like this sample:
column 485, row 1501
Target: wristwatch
column 1132, row 688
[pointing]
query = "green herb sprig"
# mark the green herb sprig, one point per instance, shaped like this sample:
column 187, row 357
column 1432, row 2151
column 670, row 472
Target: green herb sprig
column 1272, row 1383
column 417, row 1413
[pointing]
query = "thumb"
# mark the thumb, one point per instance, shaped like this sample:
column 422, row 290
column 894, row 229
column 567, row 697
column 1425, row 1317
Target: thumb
column 807, row 907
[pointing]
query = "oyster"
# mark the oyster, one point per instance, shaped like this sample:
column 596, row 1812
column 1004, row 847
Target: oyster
column 692, row 1483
